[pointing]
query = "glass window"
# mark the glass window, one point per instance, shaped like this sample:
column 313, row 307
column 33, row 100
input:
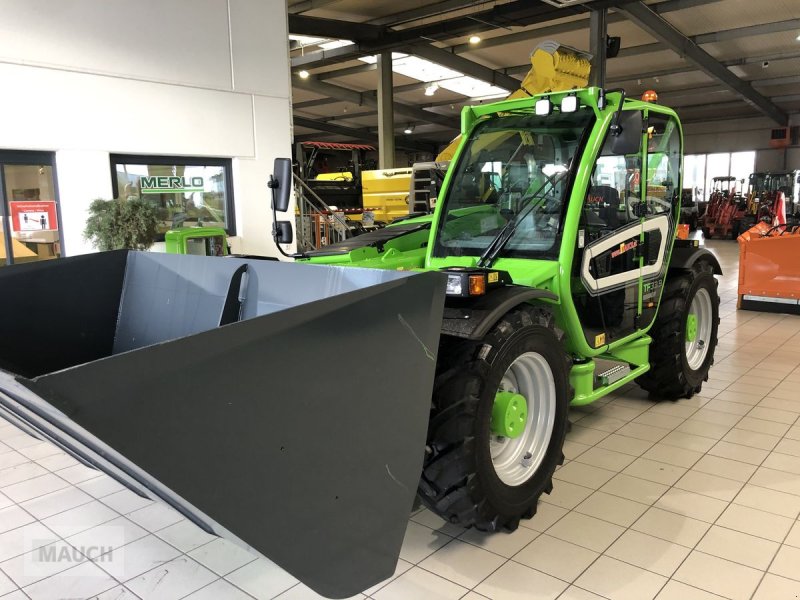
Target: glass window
column 694, row 175
column 742, row 165
column 614, row 192
column 29, row 228
column 516, row 167
column 663, row 163
column 187, row 192
column 717, row 165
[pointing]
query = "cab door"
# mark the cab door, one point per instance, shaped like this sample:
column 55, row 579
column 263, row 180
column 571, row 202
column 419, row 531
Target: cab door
column 626, row 227
column 662, row 207
column 606, row 270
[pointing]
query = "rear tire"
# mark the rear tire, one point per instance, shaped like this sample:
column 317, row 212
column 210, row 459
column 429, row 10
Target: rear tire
column 466, row 467
column 678, row 366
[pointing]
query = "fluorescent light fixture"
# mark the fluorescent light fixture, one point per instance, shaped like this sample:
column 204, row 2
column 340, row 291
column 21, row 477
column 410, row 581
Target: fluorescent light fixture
column 569, row 104
column 303, row 74
column 448, row 79
column 306, row 40
column 409, row 129
column 474, row 39
column 430, row 90
column 472, row 88
column 335, row 44
column 544, row 107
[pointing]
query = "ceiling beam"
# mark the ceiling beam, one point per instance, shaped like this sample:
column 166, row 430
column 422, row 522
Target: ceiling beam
column 737, row 62
column 302, row 7
column 539, row 33
column 354, row 70
column 313, row 103
column 370, row 99
column 372, row 39
column 719, row 36
column 656, row 26
column 362, row 134
column 571, row 26
column 430, row 10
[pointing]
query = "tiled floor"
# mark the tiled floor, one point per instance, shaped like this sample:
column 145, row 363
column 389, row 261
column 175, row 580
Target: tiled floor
column 692, row 500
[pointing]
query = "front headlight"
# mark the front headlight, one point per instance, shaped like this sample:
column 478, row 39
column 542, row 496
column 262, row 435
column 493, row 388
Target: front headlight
column 454, row 284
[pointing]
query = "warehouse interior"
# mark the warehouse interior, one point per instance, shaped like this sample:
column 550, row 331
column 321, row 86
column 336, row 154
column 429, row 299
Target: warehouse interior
column 176, row 425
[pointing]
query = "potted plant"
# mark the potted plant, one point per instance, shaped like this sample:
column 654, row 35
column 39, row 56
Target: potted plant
column 119, row 224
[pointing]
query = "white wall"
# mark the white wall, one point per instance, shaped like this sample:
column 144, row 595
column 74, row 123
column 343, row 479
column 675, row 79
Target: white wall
column 742, row 135
column 86, row 78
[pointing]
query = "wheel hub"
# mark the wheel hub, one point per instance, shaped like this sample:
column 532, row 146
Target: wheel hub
column 691, row 327
column 509, row 414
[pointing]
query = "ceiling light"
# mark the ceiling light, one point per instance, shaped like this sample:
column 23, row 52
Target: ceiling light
column 409, row 129
column 474, row 39
column 303, row 74
column 430, row 90
column 798, row 38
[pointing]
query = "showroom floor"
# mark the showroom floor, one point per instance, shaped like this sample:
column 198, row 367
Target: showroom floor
column 672, row 501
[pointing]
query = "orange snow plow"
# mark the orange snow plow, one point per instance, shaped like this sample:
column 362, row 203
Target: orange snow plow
column 769, row 268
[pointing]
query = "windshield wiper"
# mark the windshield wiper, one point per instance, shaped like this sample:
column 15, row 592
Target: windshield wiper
column 499, row 241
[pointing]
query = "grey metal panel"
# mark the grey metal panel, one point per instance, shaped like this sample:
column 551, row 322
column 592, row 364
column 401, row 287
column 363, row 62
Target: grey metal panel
column 300, row 432
column 35, row 336
column 164, row 300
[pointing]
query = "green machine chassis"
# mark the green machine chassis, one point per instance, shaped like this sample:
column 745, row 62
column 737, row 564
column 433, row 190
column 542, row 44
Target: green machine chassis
column 532, row 303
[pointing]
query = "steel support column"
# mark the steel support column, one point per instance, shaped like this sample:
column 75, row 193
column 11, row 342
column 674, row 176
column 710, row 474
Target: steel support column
column 385, row 111
column 597, row 46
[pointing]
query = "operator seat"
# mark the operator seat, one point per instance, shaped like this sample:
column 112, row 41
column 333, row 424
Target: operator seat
column 609, row 204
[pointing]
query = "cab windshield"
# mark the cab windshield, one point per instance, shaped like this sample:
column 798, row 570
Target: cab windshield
column 516, row 167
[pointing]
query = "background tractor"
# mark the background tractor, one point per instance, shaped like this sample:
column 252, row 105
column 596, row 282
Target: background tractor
column 725, row 210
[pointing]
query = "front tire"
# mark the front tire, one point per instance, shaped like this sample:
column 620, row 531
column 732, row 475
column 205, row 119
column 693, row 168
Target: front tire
column 472, row 476
column 684, row 334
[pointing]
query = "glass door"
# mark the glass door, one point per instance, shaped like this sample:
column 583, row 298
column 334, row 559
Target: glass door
column 29, row 208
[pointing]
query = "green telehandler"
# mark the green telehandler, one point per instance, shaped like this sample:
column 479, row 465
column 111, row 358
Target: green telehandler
column 555, row 227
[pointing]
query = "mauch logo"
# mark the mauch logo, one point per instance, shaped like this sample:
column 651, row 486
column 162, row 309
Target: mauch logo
column 170, row 185
column 55, row 553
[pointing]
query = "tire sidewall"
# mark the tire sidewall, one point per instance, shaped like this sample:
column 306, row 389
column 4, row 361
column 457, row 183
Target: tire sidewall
column 705, row 281
column 534, row 338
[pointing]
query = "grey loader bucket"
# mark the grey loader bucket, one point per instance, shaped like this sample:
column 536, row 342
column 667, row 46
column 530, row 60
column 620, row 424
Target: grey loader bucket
column 281, row 405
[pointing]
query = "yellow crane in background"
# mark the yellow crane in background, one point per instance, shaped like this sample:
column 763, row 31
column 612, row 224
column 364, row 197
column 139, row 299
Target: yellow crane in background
column 554, row 67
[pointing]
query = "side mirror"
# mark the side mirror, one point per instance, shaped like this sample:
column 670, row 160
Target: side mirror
column 282, row 232
column 629, row 138
column 281, row 184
